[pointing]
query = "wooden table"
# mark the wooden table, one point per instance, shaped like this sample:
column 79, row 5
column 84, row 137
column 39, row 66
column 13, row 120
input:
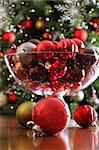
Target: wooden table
column 14, row 137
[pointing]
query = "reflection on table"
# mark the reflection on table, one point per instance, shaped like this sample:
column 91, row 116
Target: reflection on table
column 14, row 137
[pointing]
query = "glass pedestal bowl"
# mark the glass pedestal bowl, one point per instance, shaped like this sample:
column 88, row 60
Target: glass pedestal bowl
column 53, row 72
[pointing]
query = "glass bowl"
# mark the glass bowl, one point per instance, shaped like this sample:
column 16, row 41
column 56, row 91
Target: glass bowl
column 53, row 72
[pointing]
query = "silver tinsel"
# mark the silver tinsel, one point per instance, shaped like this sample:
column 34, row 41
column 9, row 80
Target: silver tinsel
column 2, row 15
column 71, row 9
column 4, row 9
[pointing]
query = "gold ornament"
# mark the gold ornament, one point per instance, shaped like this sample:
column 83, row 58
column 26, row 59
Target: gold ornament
column 40, row 24
column 24, row 112
column 3, row 99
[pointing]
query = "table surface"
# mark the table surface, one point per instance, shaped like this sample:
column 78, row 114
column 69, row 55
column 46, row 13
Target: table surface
column 14, row 137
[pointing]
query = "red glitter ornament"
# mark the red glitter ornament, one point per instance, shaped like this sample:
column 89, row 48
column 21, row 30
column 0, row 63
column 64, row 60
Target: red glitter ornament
column 45, row 49
column 51, row 114
column 57, row 70
column 57, row 86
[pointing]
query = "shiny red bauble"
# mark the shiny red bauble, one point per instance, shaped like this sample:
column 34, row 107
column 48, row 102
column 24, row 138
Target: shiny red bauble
column 9, row 37
column 11, row 97
column 47, row 36
column 51, row 114
column 27, row 24
column 81, row 34
column 85, row 116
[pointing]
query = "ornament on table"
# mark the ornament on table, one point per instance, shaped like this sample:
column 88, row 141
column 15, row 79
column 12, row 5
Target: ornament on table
column 50, row 115
column 47, row 36
column 81, row 34
column 25, row 47
column 78, row 96
column 40, row 24
column 24, row 113
column 9, row 37
column 94, row 100
column 26, row 24
column 86, row 116
column 11, row 97
column 3, row 99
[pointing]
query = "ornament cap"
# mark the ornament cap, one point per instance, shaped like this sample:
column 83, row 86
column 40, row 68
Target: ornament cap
column 94, row 125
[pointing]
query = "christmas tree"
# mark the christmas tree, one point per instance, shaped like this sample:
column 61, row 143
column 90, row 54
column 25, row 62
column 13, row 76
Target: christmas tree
column 34, row 21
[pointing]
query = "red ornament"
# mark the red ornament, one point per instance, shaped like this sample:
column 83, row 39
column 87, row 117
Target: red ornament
column 9, row 37
column 85, row 116
column 57, row 86
column 68, row 47
column 79, row 43
column 57, row 70
column 75, row 74
column 45, row 45
column 81, row 34
column 26, row 24
column 47, row 48
column 95, row 23
column 85, row 58
column 11, row 51
column 47, row 36
column 51, row 114
column 38, row 73
column 12, row 97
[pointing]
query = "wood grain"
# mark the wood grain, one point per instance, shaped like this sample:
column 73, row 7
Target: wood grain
column 14, row 137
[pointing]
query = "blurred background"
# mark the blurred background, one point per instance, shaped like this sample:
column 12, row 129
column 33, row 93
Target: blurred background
column 33, row 20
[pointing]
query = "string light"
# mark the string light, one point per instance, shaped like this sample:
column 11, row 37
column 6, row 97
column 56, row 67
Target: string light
column 13, row 5
column 32, row 10
column 8, row 79
column 33, row 95
column 11, row 65
column 21, row 31
column 61, row 24
column 12, row 107
column 32, row 100
column 53, row 28
column 47, row 19
column 19, row 41
column 93, row 40
column 47, row 30
column 10, row 76
column 26, row 35
column 22, row 3
column 50, row 11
